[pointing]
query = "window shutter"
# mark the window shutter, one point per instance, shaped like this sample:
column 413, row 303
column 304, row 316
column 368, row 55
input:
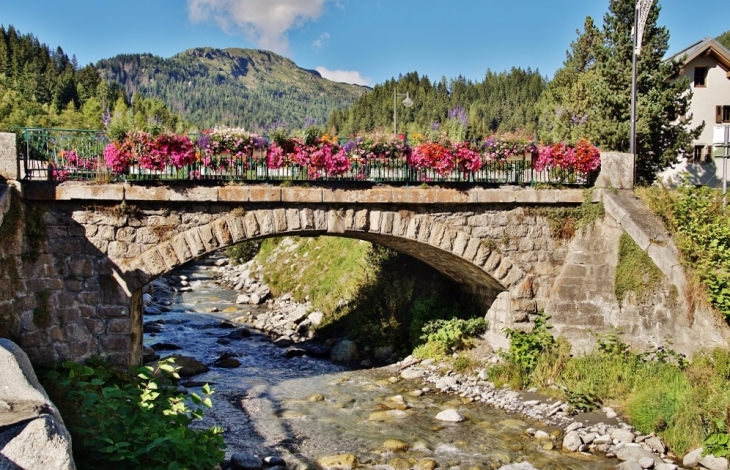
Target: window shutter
column 718, row 114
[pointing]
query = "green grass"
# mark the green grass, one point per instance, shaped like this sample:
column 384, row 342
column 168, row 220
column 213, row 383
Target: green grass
column 635, row 271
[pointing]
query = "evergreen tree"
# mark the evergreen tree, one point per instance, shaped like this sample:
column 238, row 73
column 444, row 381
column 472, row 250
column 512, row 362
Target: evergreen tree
column 724, row 39
column 660, row 137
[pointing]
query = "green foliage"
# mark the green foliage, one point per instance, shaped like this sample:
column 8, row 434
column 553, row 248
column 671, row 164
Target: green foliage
column 441, row 336
column 502, row 102
column 635, row 271
column 526, row 346
column 464, row 364
column 701, row 231
column 566, row 221
column 718, row 442
column 590, row 96
column 242, row 252
column 206, row 85
column 43, row 87
column 124, row 421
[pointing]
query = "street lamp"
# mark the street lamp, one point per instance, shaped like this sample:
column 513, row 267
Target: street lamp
column 408, row 102
column 641, row 14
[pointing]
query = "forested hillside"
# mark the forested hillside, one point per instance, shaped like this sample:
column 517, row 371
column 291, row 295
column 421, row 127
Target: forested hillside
column 233, row 87
column 502, row 102
column 43, row 87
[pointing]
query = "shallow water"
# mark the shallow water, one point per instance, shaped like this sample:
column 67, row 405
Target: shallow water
column 267, row 406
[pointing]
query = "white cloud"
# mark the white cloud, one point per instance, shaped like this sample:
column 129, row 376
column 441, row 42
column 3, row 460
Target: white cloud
column 263, row 22
column 321, row 40
column 345, row 76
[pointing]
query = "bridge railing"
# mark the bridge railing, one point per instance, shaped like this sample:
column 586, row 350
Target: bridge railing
column 77, row 155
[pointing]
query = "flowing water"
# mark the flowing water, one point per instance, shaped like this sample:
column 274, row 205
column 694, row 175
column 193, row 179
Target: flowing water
column 304, row 408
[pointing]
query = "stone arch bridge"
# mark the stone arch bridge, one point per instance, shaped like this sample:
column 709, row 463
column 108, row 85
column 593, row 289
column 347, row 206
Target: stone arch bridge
column 103, row 243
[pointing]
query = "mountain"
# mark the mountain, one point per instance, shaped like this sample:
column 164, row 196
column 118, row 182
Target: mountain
column 234, row 87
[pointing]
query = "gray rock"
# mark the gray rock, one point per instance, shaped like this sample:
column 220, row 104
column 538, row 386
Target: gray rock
column 692, row 459
column 384, row 352
column 152, row 311
column 188, row 365
column 623, row 435
column 41, row 443
column 646, row 462
column 294, row 352
column 665, row 466
column 246, row 461
column 446, row 382
column 656, row 444
column 345, row 352
column 275, row 461
column 239, row 333
column 255, row 299
column 629, row 465
column 636, row 453
column 412, row 373
column 165, row 347
column 451, row 416
column 228, row 363
column 711, row 462
column 518, row 466
column 283, row 342
column 572, row 441
column 574, row 426
column 33, row 434
column 316, row 317
column 242, row 299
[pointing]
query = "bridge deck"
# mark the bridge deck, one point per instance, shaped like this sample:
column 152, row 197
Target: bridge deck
column 76, row 191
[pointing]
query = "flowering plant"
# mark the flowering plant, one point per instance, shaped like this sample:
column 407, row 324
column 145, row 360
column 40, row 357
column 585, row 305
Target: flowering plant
column 75, row 162
column 502, row 148
column 583, row 157
column 433, row 156
column 178, row 148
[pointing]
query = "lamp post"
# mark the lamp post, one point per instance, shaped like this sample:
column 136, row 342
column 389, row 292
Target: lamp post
column 407, row 102
column 641, row 14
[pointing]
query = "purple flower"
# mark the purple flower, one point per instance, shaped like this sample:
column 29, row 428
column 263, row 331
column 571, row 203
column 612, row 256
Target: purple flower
column 203, row 142
column 435, row 125
column 309, row 122
column 259, row 142
column 459, row 113
column 349, row 146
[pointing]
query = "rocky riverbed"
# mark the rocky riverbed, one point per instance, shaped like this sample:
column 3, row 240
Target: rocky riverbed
column 285, row 400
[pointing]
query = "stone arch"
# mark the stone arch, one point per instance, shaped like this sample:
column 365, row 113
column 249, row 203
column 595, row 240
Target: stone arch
column 466, row 259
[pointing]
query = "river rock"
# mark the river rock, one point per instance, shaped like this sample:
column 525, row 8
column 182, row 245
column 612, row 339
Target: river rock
column 426, row 464
column 147, row 299
column 395, row 445
column 710, row 462
column 665, row 466
column 188, row 365
column 412, row 373
column 387, row 415
column 246, row 461
column 32, row 433
column 399, row 464
column 623, row 435
column 255, row 299
column 166, row 347
column 228, row 363
column 152, row 311
column 572, row 441
column 636, row 453
column 243, row 299
column 342, row 461
column 692, row 459
column 451, row 416
column 345, row 352
column 283, row 342
column 274, row 461
column 227, row 324
column 518, row 466
column 294, row 352
column 239, row 333
column 629, row 465
column 384, row 352
column 223, row 341
column 316, row 317
column 152, row 328
column 656, row 444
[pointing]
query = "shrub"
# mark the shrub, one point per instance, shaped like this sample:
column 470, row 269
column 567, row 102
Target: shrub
column 443, row 336
column 123, row 421
column 242, row 252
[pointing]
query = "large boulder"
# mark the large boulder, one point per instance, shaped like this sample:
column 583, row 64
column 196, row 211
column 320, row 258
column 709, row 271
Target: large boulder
column 32, row 433
column 345, row 352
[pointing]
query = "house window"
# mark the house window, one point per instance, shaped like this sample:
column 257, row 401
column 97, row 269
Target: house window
column 700, row 76
column 722, row 114
column 697, row 153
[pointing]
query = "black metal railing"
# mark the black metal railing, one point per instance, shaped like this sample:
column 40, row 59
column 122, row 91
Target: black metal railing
column 71, row 154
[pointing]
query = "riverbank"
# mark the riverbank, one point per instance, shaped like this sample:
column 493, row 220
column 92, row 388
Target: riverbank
column 289, row 326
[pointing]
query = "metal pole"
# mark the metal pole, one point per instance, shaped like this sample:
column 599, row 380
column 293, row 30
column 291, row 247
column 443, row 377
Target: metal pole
column 724, row 168
column 632, row 143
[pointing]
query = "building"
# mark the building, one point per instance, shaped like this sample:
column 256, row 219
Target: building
column 707, row 65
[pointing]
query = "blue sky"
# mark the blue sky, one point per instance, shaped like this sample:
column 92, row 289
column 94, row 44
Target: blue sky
column 363, row 41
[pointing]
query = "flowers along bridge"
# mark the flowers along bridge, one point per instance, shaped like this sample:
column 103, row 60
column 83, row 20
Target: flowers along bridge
column 82, row 234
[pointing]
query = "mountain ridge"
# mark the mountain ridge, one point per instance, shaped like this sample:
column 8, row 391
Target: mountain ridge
column 237, row 87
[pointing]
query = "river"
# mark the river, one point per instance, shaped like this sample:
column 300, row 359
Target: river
column 302, row 409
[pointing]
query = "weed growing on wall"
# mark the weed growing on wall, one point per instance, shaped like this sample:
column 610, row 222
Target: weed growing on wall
column 701, row 231
column 565, row 222
column 635, row 271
